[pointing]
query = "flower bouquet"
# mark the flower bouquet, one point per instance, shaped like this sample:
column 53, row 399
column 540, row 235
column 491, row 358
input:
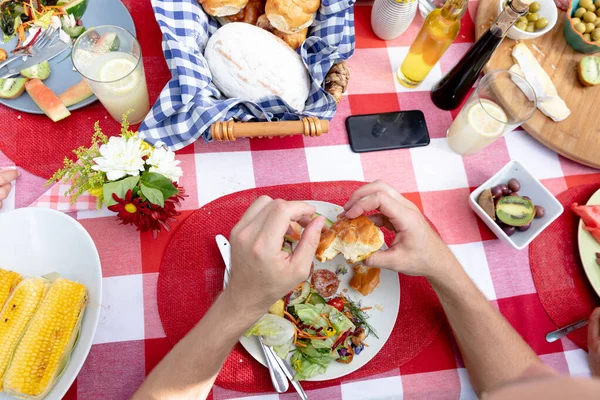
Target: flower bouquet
column 127, row 175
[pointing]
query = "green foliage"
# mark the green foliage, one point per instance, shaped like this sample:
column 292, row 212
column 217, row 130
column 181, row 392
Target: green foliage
column 80, row 173
column 120, row 188
column 157, row 188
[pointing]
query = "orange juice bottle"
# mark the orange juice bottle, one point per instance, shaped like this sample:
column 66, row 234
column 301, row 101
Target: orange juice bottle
column 437, row 33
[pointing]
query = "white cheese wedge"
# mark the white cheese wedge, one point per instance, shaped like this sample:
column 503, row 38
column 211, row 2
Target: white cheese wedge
column 555, row 108
column 534, row 73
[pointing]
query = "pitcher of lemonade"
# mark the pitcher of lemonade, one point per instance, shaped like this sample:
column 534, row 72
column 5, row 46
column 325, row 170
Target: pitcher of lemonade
column 437, row 33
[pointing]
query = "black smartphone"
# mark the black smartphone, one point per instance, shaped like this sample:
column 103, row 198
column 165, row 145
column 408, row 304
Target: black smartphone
column 387, row 131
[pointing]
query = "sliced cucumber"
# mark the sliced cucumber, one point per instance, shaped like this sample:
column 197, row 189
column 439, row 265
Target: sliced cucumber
column 75, row 31
column 40, row 71
column 328, row 222
column 316, row 298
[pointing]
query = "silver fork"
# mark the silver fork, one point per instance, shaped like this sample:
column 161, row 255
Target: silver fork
column 48, row 37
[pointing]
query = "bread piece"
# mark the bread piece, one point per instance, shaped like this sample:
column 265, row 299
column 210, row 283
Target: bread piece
column 249, row 63
column 355, row 238
column 291, row 16
column 222, row 8
column 250, row 13
column 294, row 40
column 365, row 279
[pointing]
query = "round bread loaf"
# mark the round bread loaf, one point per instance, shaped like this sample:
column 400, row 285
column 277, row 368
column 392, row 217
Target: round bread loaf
column 222, row 8
column 291, row 16
column 250, row 63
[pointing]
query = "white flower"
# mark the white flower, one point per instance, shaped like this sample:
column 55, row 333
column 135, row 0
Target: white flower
column 120, row 158
column 162, row 161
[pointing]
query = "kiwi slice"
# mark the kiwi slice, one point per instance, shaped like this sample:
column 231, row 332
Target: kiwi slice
column 39, row 71
column 12, row 88
column 486, row 202
column 515, row 210
column 588, row 71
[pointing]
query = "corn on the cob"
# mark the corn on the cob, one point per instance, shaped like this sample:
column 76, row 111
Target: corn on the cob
column 8, row 281
column 46, row 345
column 16, row 314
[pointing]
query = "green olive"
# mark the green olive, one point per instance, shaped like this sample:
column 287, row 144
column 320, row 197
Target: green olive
column 598, row 13
column 580, row 11
column 522, row 19
column 530, row 28
column 535, row 7
column 591, row 8
column 521, row 25
column 532, row 17
column 597, row 3
column 596, row 34
column 587, row 37
column 541, row 23
column 580, row 27
column 585, row 3
column 575, row 21
column 589, row 16
column 589, row 27
column 596, row 22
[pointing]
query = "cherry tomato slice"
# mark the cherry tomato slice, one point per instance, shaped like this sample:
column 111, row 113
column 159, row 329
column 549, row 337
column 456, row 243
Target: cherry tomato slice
column 337, row 303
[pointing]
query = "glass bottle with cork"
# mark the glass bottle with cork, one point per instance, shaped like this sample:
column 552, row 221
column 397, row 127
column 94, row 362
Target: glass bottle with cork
column 452, row 89
column 437, row 33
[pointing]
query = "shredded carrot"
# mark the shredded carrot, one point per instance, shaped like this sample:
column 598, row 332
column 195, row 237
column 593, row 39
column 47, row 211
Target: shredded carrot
column 326, row 319
column 287, row 314
column 365, row 344
column 300, row 344
column 366, row 308
column 308, row 298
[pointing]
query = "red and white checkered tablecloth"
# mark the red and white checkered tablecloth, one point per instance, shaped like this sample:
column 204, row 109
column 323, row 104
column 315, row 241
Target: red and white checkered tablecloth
column 130, row 339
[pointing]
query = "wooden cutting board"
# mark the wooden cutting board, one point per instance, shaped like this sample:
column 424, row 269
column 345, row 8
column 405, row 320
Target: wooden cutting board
column 578, row 136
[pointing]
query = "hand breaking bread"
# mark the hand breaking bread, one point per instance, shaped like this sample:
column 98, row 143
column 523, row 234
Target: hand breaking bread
column 294, row 40
column 222, row 8
column 355, row 238
column 365, row 279
column 249, row 63
column 291, row 16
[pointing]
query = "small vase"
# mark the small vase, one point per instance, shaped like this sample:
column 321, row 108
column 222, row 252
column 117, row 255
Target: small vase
column 390, row 18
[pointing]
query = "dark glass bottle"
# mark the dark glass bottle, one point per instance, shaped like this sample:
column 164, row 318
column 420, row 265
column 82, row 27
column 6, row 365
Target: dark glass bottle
column 452, row 89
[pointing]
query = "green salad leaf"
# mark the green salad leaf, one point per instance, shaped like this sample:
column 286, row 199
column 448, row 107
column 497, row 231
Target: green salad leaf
column 276, row 331
column 339, row 321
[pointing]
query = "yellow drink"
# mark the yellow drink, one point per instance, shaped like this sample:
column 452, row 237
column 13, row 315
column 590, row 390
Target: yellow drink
column 437, row 33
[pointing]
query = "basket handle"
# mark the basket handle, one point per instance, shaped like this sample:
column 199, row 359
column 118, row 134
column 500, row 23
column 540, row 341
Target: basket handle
column 229, row 130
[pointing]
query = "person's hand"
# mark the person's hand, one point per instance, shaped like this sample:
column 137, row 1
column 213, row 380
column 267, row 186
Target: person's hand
column 6, row 177
column 594, row 342
column 416, row 248
column 261, row 273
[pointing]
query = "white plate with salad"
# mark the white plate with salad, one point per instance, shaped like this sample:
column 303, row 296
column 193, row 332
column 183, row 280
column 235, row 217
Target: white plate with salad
column 340, row 333
column 19, row 25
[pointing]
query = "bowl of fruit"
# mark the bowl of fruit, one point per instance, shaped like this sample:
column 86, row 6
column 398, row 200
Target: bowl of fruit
column 582, row 26
column 515, row 205
column 541, row 18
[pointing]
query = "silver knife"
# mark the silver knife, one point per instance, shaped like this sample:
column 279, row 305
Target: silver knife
column 47, row 53
column 276, row 372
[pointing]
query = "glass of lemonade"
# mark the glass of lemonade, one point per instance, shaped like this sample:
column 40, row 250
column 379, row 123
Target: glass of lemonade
column 499, row 104
column 109, row 58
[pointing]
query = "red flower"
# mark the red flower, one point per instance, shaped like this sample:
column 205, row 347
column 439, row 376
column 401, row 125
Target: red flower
column 147, row 216
column 130, row 210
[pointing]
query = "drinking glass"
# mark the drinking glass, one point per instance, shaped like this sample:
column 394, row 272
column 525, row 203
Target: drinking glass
column 109, row 58
column 502, row 101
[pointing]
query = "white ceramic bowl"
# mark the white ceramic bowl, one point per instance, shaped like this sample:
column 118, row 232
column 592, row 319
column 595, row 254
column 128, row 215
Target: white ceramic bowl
column 548, row 10
column 530, row 187
column 36, row 242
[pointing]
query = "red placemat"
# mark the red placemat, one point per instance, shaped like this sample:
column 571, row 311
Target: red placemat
column 191, row 276
column 559, row 278
column 39, row 145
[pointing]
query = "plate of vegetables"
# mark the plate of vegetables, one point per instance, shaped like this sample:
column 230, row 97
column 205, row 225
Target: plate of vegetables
column 22, row 22
column 325, row 328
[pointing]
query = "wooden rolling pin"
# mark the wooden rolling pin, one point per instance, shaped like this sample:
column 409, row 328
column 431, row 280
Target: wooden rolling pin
column 229, row 130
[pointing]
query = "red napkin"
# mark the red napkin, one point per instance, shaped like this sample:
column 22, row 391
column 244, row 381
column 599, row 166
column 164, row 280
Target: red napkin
column 191, row 276
column 39, row 145
column 561, row 283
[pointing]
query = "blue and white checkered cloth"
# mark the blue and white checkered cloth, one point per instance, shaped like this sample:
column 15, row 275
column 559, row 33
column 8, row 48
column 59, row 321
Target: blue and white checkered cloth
column 190, row 103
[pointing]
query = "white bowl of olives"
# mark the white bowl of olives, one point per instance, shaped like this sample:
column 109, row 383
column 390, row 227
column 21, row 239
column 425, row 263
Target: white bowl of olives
column 541, row 18
column 515, row 205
